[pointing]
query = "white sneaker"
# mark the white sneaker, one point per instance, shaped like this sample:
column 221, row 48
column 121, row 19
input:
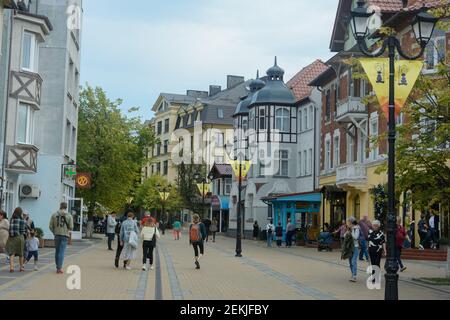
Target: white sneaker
column 421, row 247
column 144, row 268
column 36, row 268
column 353, row 279
column 128, row 268
column 151, row 268
column 199, row 257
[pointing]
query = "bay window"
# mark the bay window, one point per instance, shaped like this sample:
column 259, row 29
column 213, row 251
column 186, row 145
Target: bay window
column 25, row 132
column 282, row 119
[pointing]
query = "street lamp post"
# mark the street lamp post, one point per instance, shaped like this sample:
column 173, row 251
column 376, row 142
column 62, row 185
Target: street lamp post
column 204, row 182
column 423, row 26
column 239, row 215
column 164, row 195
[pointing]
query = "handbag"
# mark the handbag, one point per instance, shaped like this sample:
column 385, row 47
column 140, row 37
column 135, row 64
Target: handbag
column 133, row 240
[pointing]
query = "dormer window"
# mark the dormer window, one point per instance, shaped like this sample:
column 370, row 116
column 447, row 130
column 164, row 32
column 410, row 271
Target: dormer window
column 282, row 119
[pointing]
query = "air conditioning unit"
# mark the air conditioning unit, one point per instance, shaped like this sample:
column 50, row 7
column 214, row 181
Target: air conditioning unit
column 29, row 191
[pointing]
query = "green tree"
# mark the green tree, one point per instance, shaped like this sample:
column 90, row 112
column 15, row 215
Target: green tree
column 188, row 186
column 112, row 148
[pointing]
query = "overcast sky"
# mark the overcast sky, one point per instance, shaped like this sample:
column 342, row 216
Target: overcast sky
column 137, row 51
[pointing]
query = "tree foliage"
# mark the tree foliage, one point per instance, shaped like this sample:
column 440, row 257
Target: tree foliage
column 188, row 186
column 111, row 147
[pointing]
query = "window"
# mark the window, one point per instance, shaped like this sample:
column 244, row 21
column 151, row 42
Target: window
column 310, row 161
column 435, row 52
column 311, row 117
column 158, row 149
column 166, row 125
column 219, row 140
column 220, row 113
column 300, row 123
column 283, row 163
column 158, row 168
column 67, row 139
column 166, row 146
column 327, row 155
column 305, row 119
column 165, row 168
column 25, row 125
column 350, row 148
column 336, row 155
column 282, row 119
column 374, row 152
column 228, row 183
column 159, row 127
column 74, row 142
column 300, row 164
column 30, row 53
column 328, row 106
column 305, row 162
column 262, row 119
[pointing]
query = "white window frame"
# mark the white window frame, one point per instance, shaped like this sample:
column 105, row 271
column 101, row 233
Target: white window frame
column 336, row 150
column 29, row 125
column 310, row 161
column 228, row 186
column 283, row 163
column 300, row 164
column 327, row 154
column 283, row 120
column 34, row 52
column 311, row 117
column 305, row 162
column 300, row 117
column 220, row 113
column 374, row 152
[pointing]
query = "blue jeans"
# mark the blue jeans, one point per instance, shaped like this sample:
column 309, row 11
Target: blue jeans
column 354, row 262
column 398, row 255
column 60, row 249
column 269, row 239
column 363, row 250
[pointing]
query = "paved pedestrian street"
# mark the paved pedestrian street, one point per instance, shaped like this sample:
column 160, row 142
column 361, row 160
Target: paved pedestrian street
column 263, row 274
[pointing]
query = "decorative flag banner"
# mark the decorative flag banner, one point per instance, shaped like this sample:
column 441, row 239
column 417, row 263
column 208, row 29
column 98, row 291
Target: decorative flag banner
column 202, row 191
column 246, row 165
column 83, row 181
column 164, row 195
column 406, row 74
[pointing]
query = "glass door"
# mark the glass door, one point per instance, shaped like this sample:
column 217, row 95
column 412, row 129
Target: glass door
column 75, row 208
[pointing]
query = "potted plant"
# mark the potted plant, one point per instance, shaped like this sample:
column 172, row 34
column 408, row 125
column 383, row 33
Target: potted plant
column 40, row 235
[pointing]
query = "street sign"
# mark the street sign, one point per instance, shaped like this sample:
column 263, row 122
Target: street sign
column 246, row 165
column 83, row 181
column 406, row 74
column 69, row 172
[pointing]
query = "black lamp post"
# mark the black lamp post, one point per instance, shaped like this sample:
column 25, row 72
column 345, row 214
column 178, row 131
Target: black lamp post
column 423, row 26
column 164, row 195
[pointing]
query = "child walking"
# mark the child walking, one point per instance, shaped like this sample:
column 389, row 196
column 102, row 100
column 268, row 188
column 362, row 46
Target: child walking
column 149, row 235
column 33, row 249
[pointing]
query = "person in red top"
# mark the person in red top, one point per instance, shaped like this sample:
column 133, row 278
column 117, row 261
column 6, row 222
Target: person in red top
column 146, row 218
column 399, row 241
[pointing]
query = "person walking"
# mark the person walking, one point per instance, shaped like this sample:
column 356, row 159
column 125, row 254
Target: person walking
column 355, row 232
column 4, row 233
column 270, row 228
column 341, row 232
column 207, row 224
column 61, row 225
column 290, row 231
column 423, row 233
column 432, row 224
column 279, row 235
column 119, row 242
column 214, row 229
column 149, row 235
column 16, row 241
column 33, row 249
column 400, row 238
column 111, row 229
column 29, row 228
column 129, row 240
column 377, row 242
column 197, row 235
column 255, row 231
column 364, row 226
column 177, row 229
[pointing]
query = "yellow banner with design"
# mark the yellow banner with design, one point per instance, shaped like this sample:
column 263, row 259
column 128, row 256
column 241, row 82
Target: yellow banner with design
column 203, row 188
column 406, row 74
column 164, row 195
column 244, row 170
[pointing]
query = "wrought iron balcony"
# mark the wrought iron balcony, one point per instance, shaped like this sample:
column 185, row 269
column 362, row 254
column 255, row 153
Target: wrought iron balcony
column 22, row 158
column 350, row 110
column 351, row 175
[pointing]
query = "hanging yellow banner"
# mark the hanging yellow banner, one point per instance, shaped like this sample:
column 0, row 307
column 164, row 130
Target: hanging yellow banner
column 203, row 188
column 164, row 195
column 245, row 168
column 406, row 74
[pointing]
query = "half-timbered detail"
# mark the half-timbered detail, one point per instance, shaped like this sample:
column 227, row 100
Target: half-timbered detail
column 26, row 86
column 22, row 159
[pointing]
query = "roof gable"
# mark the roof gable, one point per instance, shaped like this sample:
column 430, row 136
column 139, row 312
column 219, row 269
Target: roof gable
column 299, row 84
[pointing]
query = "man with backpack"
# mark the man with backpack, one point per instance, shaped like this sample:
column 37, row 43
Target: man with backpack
column 197, row 234
column 61, row 225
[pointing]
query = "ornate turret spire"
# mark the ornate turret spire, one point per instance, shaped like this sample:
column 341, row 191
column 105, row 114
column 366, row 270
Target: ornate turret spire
column 275, row 73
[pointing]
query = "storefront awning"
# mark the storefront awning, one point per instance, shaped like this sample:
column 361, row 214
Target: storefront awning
column 220, row 203
column 307, row 197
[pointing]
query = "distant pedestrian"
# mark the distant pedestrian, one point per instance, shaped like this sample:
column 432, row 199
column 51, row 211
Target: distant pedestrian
column 270, row 228
column 197, row 234
column 4, row 233
column 355, row 234
column 364, row 227
column 90, row 227
column 255, row 231
column 423, row 233
column 214, row 229
column 119, row 241
column 149, row 235
column 279, row 235
column 433, row 227
column 177, row 229
column 129, row 240
column 30, row 227
column 290, row 232
column 16, row 241
column 111, row 229
column 400, row 238
column 341, row 232
column 162, row 226
column 376, row 245
column 61, row 225
column 33, row 249
column 207, row 224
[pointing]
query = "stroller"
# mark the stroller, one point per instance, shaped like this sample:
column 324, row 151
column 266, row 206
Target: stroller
column 324, row 240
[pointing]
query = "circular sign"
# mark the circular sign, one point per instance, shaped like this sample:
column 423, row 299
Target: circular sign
column 83, row 181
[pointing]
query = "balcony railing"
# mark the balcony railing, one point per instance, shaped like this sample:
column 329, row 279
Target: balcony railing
column 349, row 174
column 351, row 107
column 22, row 158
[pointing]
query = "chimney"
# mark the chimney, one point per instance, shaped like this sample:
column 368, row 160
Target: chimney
column 197, row 94
column 213, row 90
column 233, row 81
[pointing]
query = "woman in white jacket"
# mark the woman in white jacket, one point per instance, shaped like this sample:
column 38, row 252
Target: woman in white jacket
column 149, row 234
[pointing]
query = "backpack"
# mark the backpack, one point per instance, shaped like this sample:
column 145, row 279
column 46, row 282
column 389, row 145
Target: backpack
column 194, row 233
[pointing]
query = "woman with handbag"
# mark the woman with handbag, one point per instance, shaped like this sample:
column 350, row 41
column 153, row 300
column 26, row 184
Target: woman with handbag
column 129, row 240
column 149, row 234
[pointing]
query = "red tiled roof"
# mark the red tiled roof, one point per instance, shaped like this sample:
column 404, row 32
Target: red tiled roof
column 299, row 83
column 387, row 5
column 417, row 5
column 413, row 5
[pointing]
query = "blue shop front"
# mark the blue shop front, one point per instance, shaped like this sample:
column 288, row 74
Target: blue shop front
column 302, row 209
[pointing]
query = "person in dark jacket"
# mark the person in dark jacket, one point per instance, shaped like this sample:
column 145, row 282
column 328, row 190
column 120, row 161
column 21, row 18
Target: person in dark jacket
column 197, row 236
column 279, row 235
column 377, row 242
column 255, row 230
column 207, row 224
column 423, row 233
column 119, row 241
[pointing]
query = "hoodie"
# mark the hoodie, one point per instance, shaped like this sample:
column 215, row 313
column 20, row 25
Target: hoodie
column 61, row 224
